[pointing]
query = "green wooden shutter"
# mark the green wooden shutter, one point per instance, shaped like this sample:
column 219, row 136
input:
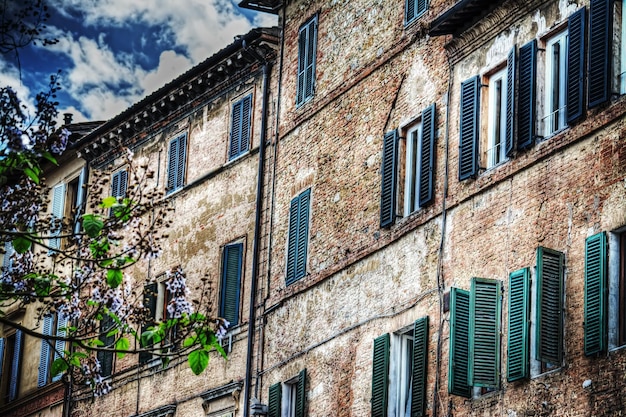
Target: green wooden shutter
column 182, row 160
column 599, row 62
column 526, row 101
column 380, row 372
column 549, row 306
column 510, row 102
column 44, row 355
column 246, row 118
column 106, row 357
column 420, row 366
column 389, row 174
column 468, row 131
column 307, row 46
column 484, row 369
column 575, row 65
column 518, row 347
column 231, row 283
column 595, row 294
column 240, row 127
column 301, row 394
column 150, row 293
column 58, row 208
column 409, row 10
column 59, row 345
column 292, row 243
column 459, row 343
column 177, row 157
column 15, row 366
column 274, row 400
column 303, row 233
column 427, row 157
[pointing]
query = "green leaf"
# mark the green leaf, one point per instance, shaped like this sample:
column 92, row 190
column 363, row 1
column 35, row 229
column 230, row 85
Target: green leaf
column 221, row 350
column 198, row 361
column 58, row 366
column 122, row 344
column 32, row 175
column 146, row 338
column 190, row 341
column 21, row 244
column 112, row 332
column 97, row 342
column 47, row 155
column 108, row 202
column 92, row 225
column 114, row 277
column 75, row 361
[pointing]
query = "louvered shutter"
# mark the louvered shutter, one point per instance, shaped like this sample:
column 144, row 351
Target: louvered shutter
column 510, row 103
column 119, row 184
column 519, row 318
column 176, row 163
column 274, row 400
column 172, row 163
column 15, row 366
column 599, row 62
column 246, row 112
column 59, row 345
column 44, row 356
column 231, row 283
column 150, row 292
column 484, row 369
column 380, row 372
column 409, row 10
column 182, row 159
column 303, row 233
column 307, row 45
column 302, row 44
column 80, row 199
column 235, row 130
column 459, row 343
column 468, row 135
column 427, row 157
column 422, row 6
column 550, row 306
column 7, row 261
column 420, row 365
column 389, row 173
column 301, row 394
column 58, row 208
column 526, row 112
column 575, row 65
column 292, row 243
column 595, row 294
column 2, row 342
column 106, row 357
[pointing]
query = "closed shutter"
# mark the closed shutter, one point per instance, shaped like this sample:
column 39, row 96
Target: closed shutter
column 550, row 306
column 414, row 9
column 44, row 356
column 420, row 365
column 307, row 46
column 231, row 283
column 274, row 400
column 59, row 345
column 15, row 366
column 176, row 163
column 58, row 207
column 389, row 173
column 526, row 112
column 595, row 294
column 511, row 68
column 246, row 111
column 182, row 159
column 380, row 371
column 240, row 127
column 301, row 394
column 150, row 292
column 468, row 131
column 427, row 157
column 298, row 237
column 484, row 369
column 519, row 319
column 575, row 65
column 599, row 62
column 292, row 243
column 119, row 184
column 459, row 343
column 106, row 357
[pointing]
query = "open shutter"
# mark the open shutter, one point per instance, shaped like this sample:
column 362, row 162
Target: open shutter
column 231, row 283
column 58, row 207
column 2, row 342
column 235, row 130
column 380, row 371
column 600, row 35
column 595, row 294
column 420, row 365
column 302, row 44
column 526, row 112
column 44, row 356
column 519, row 319
column 575, row 65
column 484, row 369
column 150, row 292
column 427, row 157
column 15, row 366
column 310, row 58
column 80, row 199
column 550, row 306
column 301, row 394
column 303, row 233
column 389, row 173
column 171, row 165
column 459, row 343
column 511, row 68
column 246, row 108
column 182, row 159
column 292, row 244
column 59, row 345
column 468, row 131
column 274, row 401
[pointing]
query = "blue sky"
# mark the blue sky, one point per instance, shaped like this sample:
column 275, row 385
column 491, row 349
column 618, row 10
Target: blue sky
column 112, row 53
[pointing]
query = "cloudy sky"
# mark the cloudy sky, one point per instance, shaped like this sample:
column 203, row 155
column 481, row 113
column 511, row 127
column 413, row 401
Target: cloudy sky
column 112, row 53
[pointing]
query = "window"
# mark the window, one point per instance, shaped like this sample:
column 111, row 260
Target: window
column 620, row 47
column 288, row 399
column 240, row 127
column 307, row 50
column 53, row 325
column 414, row 9
column 7, row 259
column 177, row 158
column 119, row 183
column 156, row 298
column 555, row 88
column 496, row 132
column 468, row 129
column 599, row 51
column 399, row 372
column 231, row 283
column 105, row 357
column 298, row 237
column 10, row 365
column 518, row 350
column 67, row 201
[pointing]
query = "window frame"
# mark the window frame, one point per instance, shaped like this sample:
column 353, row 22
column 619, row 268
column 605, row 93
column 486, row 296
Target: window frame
column 550, row 126
column 176, row 163
column 53, row 325
column 412, row 167
column 418, row 8
column 238, row 247
column 11, row 358
column 497, row 118
column 240, row 127
column 307, row 59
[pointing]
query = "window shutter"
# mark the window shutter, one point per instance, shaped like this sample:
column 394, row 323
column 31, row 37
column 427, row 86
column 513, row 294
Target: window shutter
column 468, row 137
column 176, row 163
column 59, row 345
column 171, row 165
column 302, row 45
column 303, row 233
column 518, row 341
column 2, row 341
column 459, row 343
column 150, row 292
column 274, row 400
column 182, row 158
column 389, row 181
column 292, row 244
column 80, row 199
column 526, row 112
column 231, row 282
column 7, row 262
column 119, row 184
column 106, row 357
column 235, row 130
column 15, row 367
column 44, row 356
column 301, row 394
column 380, row 371
column 595, row 294
column 484, row 369
column 420, row 365
column 510, row 102
column 422, row 6
column 409, row 9
column 575, row 65
column 58, row 207
column 550, row 306
column 307, row 40
column 245, row 123
column 599, row 62
column 427, row 157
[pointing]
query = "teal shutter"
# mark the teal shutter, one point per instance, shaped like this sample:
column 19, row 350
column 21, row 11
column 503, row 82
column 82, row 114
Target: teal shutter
column 595, row 294
column 549, row 306
column 518, row 347
column 420, row 366
column 58, row 207
column 59, row 345
column 2, row 343
column 484, row 369
column 307, row 49
column 80, row 199
column 510, row 102
column 119, row 184
column 44, row 356
column 459, row 343
column 274, row 400
column 575, row 65
column 177, row 157
column 298, row 237
column 240, row 127
column 150, row 292
column 15, row 366
column 526, row 100
column 231, row 283
column 414, row 9
column 468, row 131
column 301, row 394
column 389, row 180
column 427, row 158
column 380, row 372
column 600, row 47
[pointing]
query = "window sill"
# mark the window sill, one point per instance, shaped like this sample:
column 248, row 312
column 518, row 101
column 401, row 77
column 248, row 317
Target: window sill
column 546, row 373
